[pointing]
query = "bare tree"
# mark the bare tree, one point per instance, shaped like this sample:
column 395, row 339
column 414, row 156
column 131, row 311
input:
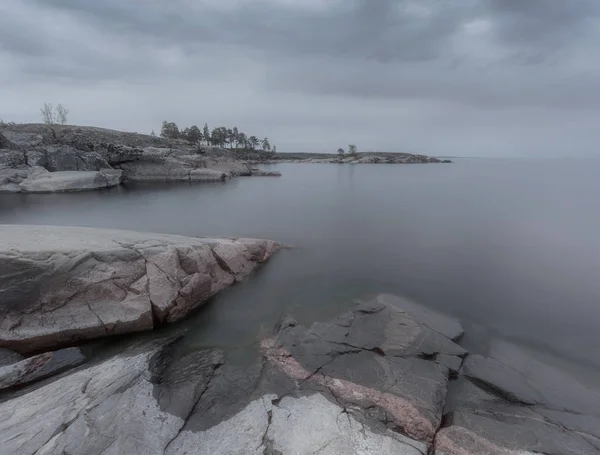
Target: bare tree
column 48, row 114
column 62, row 114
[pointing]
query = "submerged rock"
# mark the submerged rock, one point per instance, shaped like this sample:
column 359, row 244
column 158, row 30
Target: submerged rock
column 512, row 402
column 64, row 284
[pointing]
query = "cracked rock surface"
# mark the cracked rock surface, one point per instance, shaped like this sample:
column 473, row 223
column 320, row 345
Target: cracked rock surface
column 375, row 380
column 61, row 285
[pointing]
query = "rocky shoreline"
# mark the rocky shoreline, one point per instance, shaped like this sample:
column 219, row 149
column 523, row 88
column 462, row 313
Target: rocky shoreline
column 359, row 158
column 38, row 158
column 376, row 380
column 386, row 377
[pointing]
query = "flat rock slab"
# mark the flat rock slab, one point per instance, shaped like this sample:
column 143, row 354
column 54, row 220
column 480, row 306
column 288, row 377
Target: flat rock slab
column 64, row 284
column 39, row 367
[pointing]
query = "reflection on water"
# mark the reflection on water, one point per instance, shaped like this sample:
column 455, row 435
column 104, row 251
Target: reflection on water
column 512, row 248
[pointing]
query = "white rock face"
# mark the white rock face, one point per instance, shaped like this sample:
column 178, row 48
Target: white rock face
column 105, row 409
column 63, row 284
column 41, row 181
column 302, row 426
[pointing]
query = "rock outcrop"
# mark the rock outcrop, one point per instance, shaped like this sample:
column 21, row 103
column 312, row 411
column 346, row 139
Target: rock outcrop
column 60, row 285
column 264, row 173
column 373, row 381
column 103, row 158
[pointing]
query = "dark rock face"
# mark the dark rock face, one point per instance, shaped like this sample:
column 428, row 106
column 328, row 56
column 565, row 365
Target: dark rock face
column 39, row 367
column 64, row 284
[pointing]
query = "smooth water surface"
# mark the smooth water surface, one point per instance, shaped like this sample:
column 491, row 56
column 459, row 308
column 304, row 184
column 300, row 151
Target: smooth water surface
column 511, row 248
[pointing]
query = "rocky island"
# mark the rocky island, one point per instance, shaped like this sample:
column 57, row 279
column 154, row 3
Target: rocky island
column 386, row 377
column 356, row 158
column 38, row 158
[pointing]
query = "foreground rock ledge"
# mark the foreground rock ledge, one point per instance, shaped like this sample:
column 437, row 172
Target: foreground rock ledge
column 374, row 381
column 63, row 284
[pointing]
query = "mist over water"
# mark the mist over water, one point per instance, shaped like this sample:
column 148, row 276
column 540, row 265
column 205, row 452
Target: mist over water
column 510, row 247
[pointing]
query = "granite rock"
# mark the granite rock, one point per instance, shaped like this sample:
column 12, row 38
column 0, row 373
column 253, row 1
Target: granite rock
column 61, row 285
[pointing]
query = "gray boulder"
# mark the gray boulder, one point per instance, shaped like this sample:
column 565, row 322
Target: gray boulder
column 64, row 284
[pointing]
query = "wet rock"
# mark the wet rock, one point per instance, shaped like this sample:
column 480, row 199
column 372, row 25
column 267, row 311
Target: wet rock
column 8, row 357
column 39, row 367
column 64, row 284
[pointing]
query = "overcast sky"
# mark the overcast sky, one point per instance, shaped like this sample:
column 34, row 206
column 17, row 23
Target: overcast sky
column 440, row 77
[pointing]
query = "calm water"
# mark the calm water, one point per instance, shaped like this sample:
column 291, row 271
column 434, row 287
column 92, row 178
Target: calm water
column 511, row 248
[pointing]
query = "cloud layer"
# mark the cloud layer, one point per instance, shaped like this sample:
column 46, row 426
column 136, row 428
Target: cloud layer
column 475, row 77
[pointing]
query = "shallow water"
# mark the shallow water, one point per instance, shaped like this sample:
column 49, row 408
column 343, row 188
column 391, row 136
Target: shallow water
column 510, row 247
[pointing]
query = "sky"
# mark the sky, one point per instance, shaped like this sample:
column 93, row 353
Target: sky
column 489, row 78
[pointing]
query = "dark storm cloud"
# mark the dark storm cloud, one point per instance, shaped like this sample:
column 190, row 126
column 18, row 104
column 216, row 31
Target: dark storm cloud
column 289, row 62
column 382, row 30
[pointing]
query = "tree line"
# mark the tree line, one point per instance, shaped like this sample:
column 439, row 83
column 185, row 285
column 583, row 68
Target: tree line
column 219, row 137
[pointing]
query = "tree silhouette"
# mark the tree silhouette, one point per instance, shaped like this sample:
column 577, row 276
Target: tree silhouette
column 170, row 130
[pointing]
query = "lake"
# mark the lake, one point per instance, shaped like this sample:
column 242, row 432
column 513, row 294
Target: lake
column 509, row 247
